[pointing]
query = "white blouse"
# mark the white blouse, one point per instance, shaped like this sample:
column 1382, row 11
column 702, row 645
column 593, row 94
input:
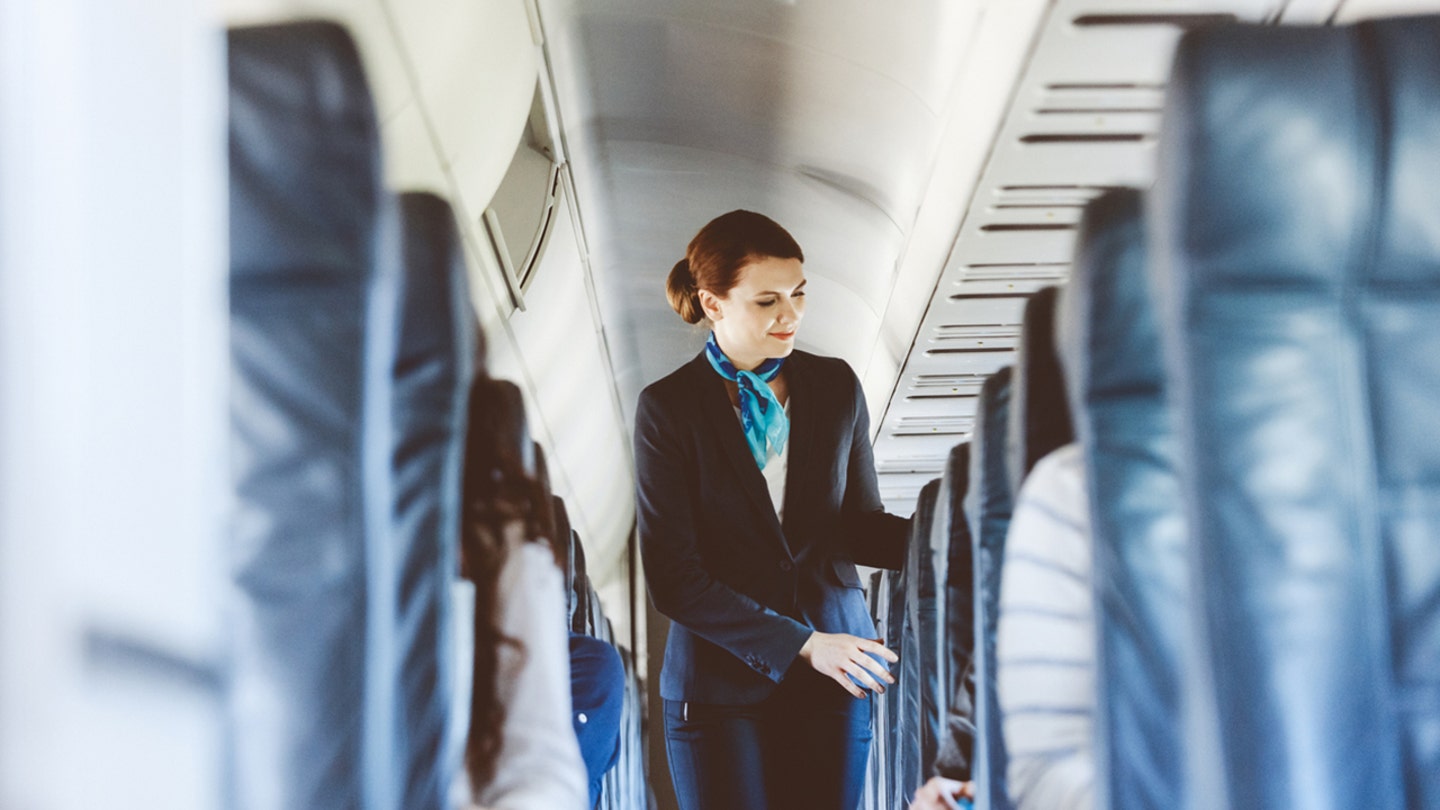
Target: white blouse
column 777, row 465
column 539, row 765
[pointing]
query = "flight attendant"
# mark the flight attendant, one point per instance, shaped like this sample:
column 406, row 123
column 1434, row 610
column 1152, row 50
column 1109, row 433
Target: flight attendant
column 756, row 497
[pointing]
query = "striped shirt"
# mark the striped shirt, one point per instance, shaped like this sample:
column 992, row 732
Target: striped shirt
column 1045, row 644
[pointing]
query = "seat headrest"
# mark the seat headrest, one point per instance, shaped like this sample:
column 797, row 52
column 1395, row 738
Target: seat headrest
column 430, row 244
column 1291, row 154
column 498, row 431
column 1039, row 411
column 1120, row 352
column 305, row 186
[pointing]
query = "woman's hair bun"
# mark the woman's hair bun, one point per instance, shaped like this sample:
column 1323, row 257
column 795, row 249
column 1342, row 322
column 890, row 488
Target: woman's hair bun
column 683, row 292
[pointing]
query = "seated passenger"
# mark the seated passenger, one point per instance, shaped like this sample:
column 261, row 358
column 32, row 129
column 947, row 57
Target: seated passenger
column 1045, row 642
column 943, row 794
column 521, row 751
column 597, row 691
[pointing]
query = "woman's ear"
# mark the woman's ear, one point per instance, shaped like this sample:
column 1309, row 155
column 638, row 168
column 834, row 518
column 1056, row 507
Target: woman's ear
column 710, row 305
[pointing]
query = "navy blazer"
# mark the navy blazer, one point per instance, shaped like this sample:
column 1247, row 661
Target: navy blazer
column 744, row 592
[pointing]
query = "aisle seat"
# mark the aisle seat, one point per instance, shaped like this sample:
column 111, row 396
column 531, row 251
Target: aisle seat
column 1110, row 346
column 412, row 567
column 306, row 248
column 1297, row 236
column 988, row 505
column 955, row 572
column 1039, row 410
column 917, row 683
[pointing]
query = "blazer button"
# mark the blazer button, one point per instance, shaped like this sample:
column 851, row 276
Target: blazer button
column 786, row 565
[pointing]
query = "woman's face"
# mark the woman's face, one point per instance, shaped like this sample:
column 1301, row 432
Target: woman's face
column 759, row 317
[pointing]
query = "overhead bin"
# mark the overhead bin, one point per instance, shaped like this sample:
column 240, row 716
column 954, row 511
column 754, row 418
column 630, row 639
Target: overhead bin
column 306, row 206
column 988, row 505
column 1110, row 345
column 1298, row 266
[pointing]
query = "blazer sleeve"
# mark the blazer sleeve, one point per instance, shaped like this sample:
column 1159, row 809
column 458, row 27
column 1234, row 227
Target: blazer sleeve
column 679, row 584
column 875, row 537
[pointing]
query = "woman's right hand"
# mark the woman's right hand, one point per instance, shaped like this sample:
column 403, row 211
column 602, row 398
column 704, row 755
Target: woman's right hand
column 841, row 656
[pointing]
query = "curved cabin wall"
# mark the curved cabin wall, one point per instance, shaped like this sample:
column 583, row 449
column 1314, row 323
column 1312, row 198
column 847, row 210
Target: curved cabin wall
column 454, row 83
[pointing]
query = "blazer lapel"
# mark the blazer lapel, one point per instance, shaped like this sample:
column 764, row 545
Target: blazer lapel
column 802, row 435
column 725, row 427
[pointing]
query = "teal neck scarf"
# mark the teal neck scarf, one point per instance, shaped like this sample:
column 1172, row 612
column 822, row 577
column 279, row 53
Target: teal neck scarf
column 761, row 416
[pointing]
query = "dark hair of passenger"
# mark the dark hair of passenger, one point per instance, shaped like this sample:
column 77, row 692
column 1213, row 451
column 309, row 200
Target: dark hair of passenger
column 717, row 254
column 498, row 492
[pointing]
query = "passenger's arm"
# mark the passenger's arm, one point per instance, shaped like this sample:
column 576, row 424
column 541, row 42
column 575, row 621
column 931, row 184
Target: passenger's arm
column 875, row 537
column 539, row 765
column 680, row 585
column 1045, row 645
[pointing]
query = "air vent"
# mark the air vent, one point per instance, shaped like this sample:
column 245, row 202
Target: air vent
column 1016, row 271
column 1101, row 99
column 960, row 339
column 933, row 426
column 1084, row 137
column 1003, row 227
column 1105, row 86
column 946, row 386
column 910, row 465
column 1047, row 196
column 1185, row 21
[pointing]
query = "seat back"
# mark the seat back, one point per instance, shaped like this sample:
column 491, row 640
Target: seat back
column 919, row 704
column 1110, row 344
column 1298, row 263
column 412, row 569
column 988, row 505
column 955, row 573
column 1039, row 410
column 306, row 209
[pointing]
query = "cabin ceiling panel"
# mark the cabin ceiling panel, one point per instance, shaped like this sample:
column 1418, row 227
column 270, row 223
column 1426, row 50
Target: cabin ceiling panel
column 740, row 93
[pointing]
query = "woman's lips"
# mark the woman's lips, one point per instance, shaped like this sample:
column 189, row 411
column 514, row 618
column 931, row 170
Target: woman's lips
column 782, row 335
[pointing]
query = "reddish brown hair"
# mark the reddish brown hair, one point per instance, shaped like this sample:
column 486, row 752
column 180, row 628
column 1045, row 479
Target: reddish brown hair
column 717, row 254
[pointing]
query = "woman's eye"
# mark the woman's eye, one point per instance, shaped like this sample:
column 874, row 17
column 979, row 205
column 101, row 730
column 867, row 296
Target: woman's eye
column 798, row 294
column 769, row 303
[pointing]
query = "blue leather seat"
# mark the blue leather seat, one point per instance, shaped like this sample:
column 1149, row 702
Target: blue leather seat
column 917, row 684
column 1039, row 410
column 306, row 211
column 411, row 569
column 1297, row 224
column 988, row 505
column 879, row 771
column 1110, row 346
column 955, row 573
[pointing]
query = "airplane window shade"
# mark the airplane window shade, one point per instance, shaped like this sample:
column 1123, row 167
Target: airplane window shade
column 522, row 213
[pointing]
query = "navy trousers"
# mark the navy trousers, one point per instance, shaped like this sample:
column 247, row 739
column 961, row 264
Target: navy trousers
column 802, row 748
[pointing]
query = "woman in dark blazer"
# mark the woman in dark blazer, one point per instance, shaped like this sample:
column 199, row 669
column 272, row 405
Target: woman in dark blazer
column 756, row 497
